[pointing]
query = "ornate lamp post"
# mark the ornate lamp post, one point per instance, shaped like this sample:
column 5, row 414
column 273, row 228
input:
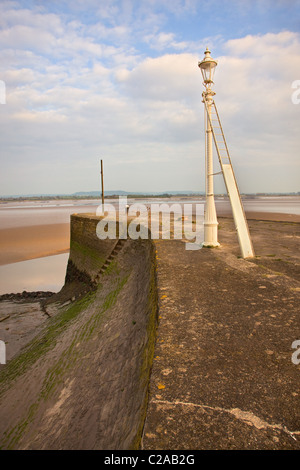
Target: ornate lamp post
column 207, row 67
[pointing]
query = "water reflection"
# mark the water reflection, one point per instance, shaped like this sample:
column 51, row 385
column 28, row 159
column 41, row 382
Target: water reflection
column 41, row 274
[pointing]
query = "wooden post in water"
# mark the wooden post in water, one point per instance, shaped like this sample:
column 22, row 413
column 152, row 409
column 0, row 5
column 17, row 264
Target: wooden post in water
column 102, row 185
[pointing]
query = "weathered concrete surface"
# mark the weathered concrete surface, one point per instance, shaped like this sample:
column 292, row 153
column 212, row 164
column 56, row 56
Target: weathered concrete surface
column 222, row 375
column 87, row 252
column 20, row 322
column 82, row 383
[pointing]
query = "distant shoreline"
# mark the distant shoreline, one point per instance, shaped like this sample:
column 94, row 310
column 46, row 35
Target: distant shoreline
column 272, row 216
column 112, row 195
column 37, row 241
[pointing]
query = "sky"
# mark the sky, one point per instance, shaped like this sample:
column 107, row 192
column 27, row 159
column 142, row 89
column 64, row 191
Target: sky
column 118, row 80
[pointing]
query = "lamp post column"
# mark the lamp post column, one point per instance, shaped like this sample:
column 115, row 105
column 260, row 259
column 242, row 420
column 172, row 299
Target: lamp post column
column 210, row 215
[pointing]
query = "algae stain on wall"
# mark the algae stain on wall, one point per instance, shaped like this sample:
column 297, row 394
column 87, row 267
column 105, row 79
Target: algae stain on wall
column 66, row 352
column 148, row 351
column 80, row 347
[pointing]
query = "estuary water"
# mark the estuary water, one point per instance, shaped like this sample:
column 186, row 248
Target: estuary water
column 48, row 273
column 40, row 274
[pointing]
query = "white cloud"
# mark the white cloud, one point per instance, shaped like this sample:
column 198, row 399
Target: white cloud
column 165, row 78
column 77, row 90
column 163, row 41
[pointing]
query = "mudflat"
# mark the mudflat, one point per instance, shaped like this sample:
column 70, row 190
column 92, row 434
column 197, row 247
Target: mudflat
column 222, row 375
column 35, row 241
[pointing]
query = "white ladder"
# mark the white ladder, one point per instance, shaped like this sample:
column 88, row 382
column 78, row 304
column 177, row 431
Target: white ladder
column 230, row 181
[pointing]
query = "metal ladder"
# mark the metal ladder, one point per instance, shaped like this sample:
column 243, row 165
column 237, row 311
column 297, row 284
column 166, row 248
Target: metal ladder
column 230, row 181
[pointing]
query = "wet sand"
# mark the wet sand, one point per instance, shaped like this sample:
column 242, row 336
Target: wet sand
column 34, row 275
column 222, row 375
column 272, row 216
column 36, row 241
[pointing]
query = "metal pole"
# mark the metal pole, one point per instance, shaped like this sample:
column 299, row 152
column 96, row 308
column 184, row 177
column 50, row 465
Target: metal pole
column 102, row 185
column 210, row 215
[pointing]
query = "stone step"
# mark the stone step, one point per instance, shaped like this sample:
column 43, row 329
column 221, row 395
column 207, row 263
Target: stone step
column 119, row 245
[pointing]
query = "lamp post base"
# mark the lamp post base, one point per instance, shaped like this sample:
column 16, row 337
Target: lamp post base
column 206, row 245
column 210, row 236
column 210, row 224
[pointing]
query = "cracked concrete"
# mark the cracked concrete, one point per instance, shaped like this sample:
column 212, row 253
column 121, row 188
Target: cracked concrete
column 222, row 376
column 245, row 416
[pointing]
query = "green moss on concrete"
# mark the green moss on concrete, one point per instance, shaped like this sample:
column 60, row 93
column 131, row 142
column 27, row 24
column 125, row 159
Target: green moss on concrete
column 86, row 253
column 112, row 268
column 65, row 365
column 43, row 342
column 13, row 436
column 70, row 357
column 148, row 352
column 108, row 303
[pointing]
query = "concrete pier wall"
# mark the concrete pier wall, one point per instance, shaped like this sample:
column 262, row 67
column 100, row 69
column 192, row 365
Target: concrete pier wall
column 82, row 383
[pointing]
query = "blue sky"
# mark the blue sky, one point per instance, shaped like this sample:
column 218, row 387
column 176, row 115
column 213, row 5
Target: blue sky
column 119, row 80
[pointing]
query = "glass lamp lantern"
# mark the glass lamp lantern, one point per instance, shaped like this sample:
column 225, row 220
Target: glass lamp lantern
column 207, row 67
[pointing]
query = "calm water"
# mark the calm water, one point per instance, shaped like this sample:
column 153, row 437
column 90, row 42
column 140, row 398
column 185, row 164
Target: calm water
column 283, row 205
column 48, row 273
column 41, row 274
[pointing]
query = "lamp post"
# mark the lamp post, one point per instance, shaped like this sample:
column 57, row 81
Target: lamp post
column 207, row 67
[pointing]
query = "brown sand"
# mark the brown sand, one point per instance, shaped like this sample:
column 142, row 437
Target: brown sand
column 222, row 376
column 273, row 216
column 24, row 243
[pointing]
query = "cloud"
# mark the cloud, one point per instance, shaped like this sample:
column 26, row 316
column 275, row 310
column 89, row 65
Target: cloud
column 163, row 41
column 257, row 73
column 115, row 83
column 165, row 78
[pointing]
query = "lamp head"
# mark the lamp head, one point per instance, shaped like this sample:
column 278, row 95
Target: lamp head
column 207, row 67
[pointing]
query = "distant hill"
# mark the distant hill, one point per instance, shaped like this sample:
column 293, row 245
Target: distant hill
column 119, row 192
column 127, row 193
column 97, row 194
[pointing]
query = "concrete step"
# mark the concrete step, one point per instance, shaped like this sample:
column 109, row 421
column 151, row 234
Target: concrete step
column 110, row 258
